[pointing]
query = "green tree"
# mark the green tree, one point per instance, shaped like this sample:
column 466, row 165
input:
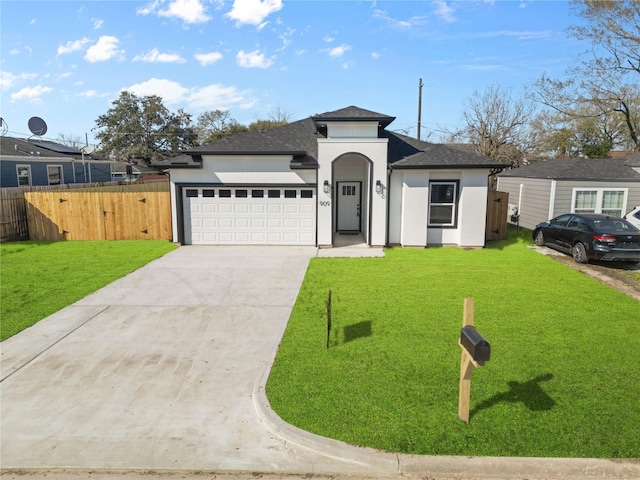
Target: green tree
column 276, row 118
column 217, row 124
column 142, row 128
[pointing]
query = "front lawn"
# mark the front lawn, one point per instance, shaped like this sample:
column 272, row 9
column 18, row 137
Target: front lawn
column 563, row 379
column 39, row 278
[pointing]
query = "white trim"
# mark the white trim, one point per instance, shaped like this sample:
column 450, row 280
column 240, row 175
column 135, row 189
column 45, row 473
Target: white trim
column 29, row 174
column 599, row 197
column 552, row 199
column 61, row 174
column 453, row 204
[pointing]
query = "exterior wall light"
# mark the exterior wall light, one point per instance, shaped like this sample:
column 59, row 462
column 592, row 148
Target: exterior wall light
column 378, row 187
column 326, row 188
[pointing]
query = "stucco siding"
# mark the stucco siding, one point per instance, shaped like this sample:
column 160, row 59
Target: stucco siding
column 409, row 204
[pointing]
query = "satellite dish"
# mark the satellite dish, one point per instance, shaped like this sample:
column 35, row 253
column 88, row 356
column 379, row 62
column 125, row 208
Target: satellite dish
column 89, row 149
column 37, row 126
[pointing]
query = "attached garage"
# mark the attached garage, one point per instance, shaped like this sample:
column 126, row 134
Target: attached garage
column 259, row 215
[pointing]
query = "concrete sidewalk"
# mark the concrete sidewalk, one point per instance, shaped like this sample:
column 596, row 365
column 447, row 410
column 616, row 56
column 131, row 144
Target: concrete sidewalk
column 164, row 371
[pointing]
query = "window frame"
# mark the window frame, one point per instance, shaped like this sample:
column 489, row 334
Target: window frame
column 61, row 170
column 454, row 204
column 29, row 178
column 599, row 202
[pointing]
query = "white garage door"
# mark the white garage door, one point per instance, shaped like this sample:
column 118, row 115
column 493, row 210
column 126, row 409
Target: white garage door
column 249, row 215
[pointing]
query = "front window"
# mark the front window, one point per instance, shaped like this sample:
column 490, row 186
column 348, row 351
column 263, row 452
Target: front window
column 24, row 175
column 443, row 203
column 606, row 201
column 54, row 174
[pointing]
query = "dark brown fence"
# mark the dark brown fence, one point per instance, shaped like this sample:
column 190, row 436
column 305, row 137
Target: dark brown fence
column 497, row 210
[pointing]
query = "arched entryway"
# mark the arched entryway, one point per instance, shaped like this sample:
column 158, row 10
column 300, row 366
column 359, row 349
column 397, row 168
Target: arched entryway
column 351, row 175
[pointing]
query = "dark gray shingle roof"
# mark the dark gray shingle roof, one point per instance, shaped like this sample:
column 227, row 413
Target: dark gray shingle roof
column 612, row 169
column 301, row 140
column 353, row 113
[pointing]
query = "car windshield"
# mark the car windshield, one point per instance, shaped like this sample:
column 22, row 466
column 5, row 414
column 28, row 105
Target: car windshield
column 614, row 225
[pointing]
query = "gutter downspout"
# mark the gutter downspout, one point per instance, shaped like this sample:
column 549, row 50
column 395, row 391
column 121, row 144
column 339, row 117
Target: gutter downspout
column 386, row 239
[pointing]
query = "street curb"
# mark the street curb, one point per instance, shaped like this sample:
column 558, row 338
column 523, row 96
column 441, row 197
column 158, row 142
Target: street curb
column 349, row 459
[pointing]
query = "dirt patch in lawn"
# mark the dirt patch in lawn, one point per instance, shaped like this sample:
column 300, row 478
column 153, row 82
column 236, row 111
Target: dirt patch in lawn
column 614, row 275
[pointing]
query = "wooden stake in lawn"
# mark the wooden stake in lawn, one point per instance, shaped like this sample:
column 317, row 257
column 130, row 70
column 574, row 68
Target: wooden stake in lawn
column 328, row 318
column 475, row 351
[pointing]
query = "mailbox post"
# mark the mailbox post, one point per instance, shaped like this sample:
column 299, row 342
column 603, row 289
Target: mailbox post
column 475, row 351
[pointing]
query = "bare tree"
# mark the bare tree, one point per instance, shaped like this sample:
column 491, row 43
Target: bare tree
column 73, row 141
column 496, row 124
column 606, row 82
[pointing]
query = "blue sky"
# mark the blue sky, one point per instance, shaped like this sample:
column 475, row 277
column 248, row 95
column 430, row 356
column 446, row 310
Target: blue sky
column 67, row 61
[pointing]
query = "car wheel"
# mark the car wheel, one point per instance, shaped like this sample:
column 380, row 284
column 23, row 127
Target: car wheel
column 579, row 253
column 539, row 238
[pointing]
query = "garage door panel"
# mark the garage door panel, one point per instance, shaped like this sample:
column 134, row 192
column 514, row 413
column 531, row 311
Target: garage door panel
column 245, row 218
column 290, row 222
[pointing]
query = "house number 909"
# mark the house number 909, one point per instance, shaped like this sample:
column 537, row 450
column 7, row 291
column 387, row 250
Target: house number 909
column 325, row 203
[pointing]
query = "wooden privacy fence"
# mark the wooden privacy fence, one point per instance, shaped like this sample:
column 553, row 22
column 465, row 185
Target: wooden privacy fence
column 497, row 210
column 99, row 214
column 13, row 215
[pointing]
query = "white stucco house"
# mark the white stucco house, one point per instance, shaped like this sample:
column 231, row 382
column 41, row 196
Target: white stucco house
column 334, row 174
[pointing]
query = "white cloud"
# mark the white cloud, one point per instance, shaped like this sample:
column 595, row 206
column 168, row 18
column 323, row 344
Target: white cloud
column 189, row 11
column 338, row 51
column 105, row 49
column 253, row 59
column 170, row 91
column 31, row 94
column 72, row 46
column 207, row 58
column 253, row 12
column 444, row 11
column 286, row 38
column 210, row 97
column 154, row 56
column 518, row 34
column 8, row 80
column 213, row 97
column 97, row 24
column 88, row 94
column 412, row 22
column 328, row 38
column 375, row 55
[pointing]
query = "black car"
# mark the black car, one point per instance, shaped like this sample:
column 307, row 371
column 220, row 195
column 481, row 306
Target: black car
column 590, row 236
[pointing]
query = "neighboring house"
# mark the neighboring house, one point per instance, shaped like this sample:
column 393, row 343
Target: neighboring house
column 32, row 162
column 338, row 173
column 132, row 171
column 544, row 190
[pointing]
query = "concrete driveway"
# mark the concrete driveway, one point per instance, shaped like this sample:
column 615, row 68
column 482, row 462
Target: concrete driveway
column 159, row 370
column 164, row 370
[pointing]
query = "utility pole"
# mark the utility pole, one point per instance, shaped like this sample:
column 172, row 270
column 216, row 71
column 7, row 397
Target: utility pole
column 419, row 107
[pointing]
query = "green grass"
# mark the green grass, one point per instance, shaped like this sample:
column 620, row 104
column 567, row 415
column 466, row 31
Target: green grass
column 563, row 379
column 40, row 278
